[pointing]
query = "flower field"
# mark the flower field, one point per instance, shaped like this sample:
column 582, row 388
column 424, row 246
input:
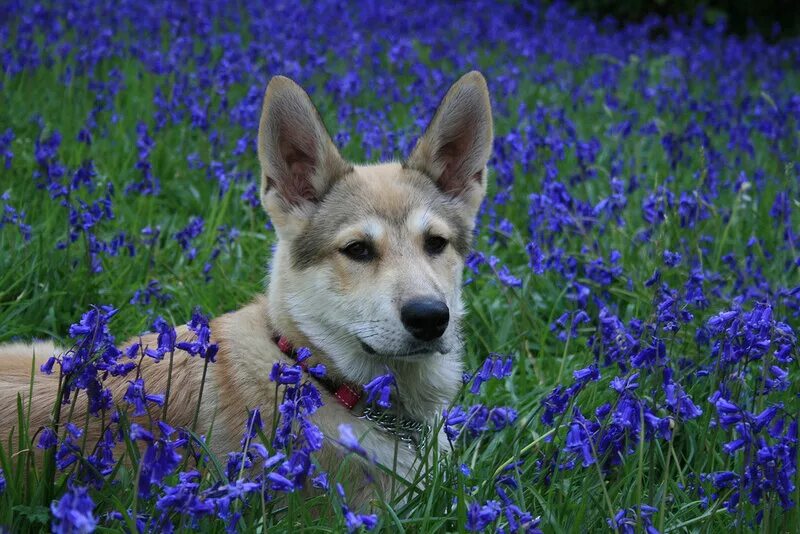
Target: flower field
column 633, row 294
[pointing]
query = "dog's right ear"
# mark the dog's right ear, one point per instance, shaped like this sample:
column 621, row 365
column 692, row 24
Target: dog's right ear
column 299, row 162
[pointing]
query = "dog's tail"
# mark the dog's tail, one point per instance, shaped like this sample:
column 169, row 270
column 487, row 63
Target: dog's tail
column 27, row 395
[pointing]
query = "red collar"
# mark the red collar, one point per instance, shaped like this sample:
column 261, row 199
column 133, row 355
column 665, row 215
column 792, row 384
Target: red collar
column 347, row 394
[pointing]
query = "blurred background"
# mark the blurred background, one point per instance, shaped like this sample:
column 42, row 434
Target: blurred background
column 771, row 18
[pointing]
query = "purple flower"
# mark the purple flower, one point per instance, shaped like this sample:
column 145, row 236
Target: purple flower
column 380, row 388
column 621, row 385
column 317, row 371
column 729, row 414
column 348, row 438
column 73, row 512
column 555, row 403
column 183, row 497
column 453, row 420
column 535, row 257
column 354, row 521
column 678, row 401
column 779, row 381
column 625, row 521
column 479, row 517
column 502, row 417
column 672, row 259
column 302, row 354
column 10, row 215
column 494, row 366
column 202, row 346
column 94, row 352
column 165, row 341
column 136, row 396
column 321, row 482
column 253, row 426
column 159, row 460
column 138, row 432
column 504, row 274
column 186, row 236
column 591, row 373
column 278, row 482
column 47, row 438
column 5, row 147
column 47, row 367
column 283, row 373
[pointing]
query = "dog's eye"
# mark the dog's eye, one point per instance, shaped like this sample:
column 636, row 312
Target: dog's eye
column 435, row 244
column 359, row 251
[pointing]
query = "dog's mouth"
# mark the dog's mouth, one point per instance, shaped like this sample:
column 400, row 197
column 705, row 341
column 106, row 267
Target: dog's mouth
column 418, row 351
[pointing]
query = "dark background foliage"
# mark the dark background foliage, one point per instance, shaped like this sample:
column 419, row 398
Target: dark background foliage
column 771, row 18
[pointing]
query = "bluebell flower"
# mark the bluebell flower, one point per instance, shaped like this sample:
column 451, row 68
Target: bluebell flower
column 625, row 521
column 159, row 460
column 591, row 373
column 278, row 482
column 672, row 259
column 102, row 459
column 479, row 517
column 502, row 417
column 454, row 418
column 779, row 380
column 621, row 385
column 138, row 432
column 283, row 373
column 153, row 292
column 729, row 413
column 380, row 389
column 47, row 438
column 318, row 371
column 5, row 147
column 186, row 236
column 354, row 521
column 302, row 354
column 494, row 366
column 73, row 512
column 521, row 521
column 12, row 216
column 348, row 438
column 253, row 426
column 183, row 497
column 555, row 403
column 166, row 339
column 535, row 257
column 321, row 482
column 474, row 260
column 653, row 355
column 136, row 396
column 47, row 366
column 202, row 346
column 504, row 274
column 578, row 442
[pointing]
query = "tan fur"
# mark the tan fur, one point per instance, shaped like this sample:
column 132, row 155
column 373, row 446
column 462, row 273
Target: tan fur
column 317, row 296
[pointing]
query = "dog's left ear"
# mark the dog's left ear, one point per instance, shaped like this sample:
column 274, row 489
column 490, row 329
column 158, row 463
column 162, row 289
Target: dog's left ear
column 457, row 144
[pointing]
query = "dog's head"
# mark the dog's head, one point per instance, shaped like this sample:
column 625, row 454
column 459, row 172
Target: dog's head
column 369, row 257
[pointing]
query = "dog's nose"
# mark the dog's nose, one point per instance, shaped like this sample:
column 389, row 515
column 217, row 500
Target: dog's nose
column 425, row 318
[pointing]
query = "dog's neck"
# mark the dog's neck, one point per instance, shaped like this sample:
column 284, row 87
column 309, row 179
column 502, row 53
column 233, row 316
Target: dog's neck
column 424, row 386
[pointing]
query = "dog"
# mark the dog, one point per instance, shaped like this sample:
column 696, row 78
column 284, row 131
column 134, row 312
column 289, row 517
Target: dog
column 366, row 273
